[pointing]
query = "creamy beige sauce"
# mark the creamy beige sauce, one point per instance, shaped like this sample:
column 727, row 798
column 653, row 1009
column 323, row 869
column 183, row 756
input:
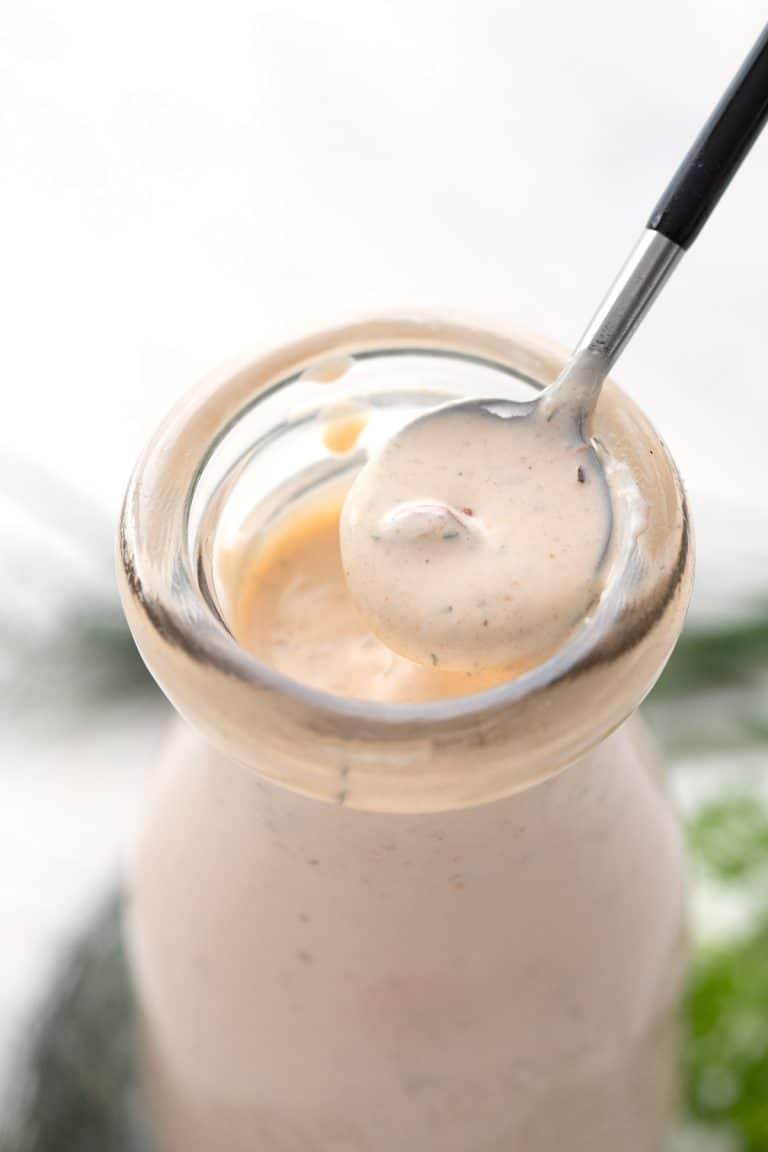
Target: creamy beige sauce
column 294, row 611
column 502, row 978
column 475, row 542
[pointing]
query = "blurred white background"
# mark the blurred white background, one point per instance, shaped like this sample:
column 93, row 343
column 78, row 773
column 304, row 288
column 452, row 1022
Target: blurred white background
column 181, row 181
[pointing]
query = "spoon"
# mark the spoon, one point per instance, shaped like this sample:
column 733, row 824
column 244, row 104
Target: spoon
column 531, row 522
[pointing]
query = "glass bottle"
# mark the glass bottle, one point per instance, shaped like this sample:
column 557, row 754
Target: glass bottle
column 359, row 927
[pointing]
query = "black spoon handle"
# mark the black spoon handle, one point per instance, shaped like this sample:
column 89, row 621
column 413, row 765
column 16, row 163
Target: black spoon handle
column 717, row 152
column 676, row 221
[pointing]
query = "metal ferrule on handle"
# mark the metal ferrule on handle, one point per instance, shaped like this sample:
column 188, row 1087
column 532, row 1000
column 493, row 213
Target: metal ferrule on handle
column 637, row 285
column 630, row 296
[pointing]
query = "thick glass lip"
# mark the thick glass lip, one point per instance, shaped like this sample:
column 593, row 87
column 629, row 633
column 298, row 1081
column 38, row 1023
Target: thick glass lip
column 176, row 628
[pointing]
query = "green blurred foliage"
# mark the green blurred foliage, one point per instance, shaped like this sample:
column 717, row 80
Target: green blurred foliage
column 725, row 654
column 726, row 1054
column 729, row 839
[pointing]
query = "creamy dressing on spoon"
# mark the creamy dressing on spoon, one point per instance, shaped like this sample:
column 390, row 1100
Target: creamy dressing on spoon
column 475, row 541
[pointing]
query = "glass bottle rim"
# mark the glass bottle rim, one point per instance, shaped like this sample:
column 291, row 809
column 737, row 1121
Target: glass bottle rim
column 181, row 637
